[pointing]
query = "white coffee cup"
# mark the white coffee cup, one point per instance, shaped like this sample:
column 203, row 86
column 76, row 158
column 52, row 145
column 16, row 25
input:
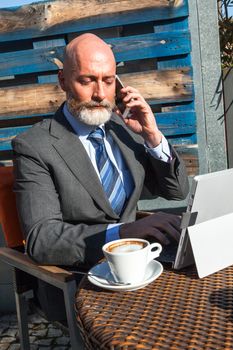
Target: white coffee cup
column 128, row 258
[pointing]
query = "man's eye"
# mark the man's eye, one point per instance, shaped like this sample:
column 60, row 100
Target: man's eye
column 85, row 82
column 109, row 81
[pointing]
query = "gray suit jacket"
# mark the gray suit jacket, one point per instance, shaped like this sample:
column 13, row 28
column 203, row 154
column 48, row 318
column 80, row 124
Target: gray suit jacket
column 62, row 207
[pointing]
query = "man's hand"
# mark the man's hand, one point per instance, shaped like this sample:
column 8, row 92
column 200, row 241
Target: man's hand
column 142, row 120
column 159, row 226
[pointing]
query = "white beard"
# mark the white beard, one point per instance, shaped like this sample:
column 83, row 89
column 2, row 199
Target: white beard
column 90, row 113
column 95, row 116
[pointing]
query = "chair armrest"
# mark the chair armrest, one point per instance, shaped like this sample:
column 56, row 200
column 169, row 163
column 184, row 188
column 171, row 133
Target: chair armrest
column 51, row 274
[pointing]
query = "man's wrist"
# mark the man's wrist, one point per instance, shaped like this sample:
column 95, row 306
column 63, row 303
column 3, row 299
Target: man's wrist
column 153, row 140
column 162, row 151
column 123, row 231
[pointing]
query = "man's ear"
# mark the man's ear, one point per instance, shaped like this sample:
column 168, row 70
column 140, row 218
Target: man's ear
column 61, row 79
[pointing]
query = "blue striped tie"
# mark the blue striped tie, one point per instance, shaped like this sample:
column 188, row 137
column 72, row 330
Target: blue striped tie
column 109, row 175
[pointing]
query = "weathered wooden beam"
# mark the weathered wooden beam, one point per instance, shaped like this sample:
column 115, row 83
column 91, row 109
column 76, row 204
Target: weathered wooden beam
column 190, row 159
column 182, row 140
column 124, row 48
column 151, row 45
column 7, row 134
column 161, row 85
column 61, row 16
column 8, row 119
column 171, row 124
column 190, row 156
column 45, row 98
column 191, row 164
column 176, row 123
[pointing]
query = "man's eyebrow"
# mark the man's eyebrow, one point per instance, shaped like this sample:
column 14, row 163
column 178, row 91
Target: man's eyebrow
column 86, row 76
column 112, row 76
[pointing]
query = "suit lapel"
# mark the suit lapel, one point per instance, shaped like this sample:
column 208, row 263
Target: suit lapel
column 70, row 148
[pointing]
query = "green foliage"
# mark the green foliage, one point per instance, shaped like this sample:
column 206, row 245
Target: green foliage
column 226, row 32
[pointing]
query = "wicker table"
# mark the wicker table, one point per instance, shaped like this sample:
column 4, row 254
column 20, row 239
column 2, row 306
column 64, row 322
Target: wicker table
column 176, row 311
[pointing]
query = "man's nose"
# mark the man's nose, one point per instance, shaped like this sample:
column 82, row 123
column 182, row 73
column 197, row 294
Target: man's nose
column 99, row 93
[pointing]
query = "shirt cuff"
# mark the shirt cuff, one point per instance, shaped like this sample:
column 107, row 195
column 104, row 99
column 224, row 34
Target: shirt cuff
column 112, row 232
column 161, row 152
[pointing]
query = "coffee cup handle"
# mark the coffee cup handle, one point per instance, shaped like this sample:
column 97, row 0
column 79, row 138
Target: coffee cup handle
column 154, row 254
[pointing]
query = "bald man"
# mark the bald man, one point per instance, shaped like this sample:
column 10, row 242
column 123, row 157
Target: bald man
column 64, row 205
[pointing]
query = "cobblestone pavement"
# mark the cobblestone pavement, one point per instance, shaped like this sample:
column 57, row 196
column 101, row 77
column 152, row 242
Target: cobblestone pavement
column 43, row 335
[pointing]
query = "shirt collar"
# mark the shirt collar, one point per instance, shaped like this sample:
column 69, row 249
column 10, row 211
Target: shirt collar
column 80, row 129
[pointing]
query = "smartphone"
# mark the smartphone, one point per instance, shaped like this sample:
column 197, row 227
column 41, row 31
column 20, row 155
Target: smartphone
column 119, row 100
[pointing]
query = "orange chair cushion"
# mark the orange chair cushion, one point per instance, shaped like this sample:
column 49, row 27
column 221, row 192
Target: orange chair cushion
column 8, row 212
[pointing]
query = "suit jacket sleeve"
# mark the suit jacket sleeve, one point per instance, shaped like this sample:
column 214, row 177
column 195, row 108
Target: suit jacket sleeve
column 167, row 180
column 50, row 240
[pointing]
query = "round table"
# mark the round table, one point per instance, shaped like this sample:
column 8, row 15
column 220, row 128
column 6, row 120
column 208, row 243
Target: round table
column 176, row 311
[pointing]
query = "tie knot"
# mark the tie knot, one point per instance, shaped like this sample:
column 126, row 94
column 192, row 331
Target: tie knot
column 97, row 135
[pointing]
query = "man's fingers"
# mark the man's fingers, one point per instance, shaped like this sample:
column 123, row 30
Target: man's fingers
column 159, row 226
column 132, row 96
column 174, row 220
column 164, row 232
column 129, row 89
column 158, row 236
column 172, row 232
column 168, row 225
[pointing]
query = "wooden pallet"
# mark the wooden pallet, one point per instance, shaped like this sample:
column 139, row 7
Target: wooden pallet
column 150, row 40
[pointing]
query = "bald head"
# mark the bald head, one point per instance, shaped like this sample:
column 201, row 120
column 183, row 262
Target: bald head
column 88, row 78
column 86, row 47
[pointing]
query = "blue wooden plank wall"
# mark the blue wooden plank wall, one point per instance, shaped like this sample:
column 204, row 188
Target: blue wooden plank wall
column 152, row 45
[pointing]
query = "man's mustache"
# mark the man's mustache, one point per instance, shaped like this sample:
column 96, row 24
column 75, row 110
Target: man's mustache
column 93, row 104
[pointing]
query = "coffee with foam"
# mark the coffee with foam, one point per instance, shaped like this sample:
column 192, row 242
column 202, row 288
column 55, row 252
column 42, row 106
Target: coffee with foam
column 128, row 258
column 126, row 247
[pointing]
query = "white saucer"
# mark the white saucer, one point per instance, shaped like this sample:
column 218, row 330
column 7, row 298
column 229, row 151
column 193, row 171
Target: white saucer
column 154, row 270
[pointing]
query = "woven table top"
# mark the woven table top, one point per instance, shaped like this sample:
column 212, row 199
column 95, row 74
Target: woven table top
column 176, row 311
